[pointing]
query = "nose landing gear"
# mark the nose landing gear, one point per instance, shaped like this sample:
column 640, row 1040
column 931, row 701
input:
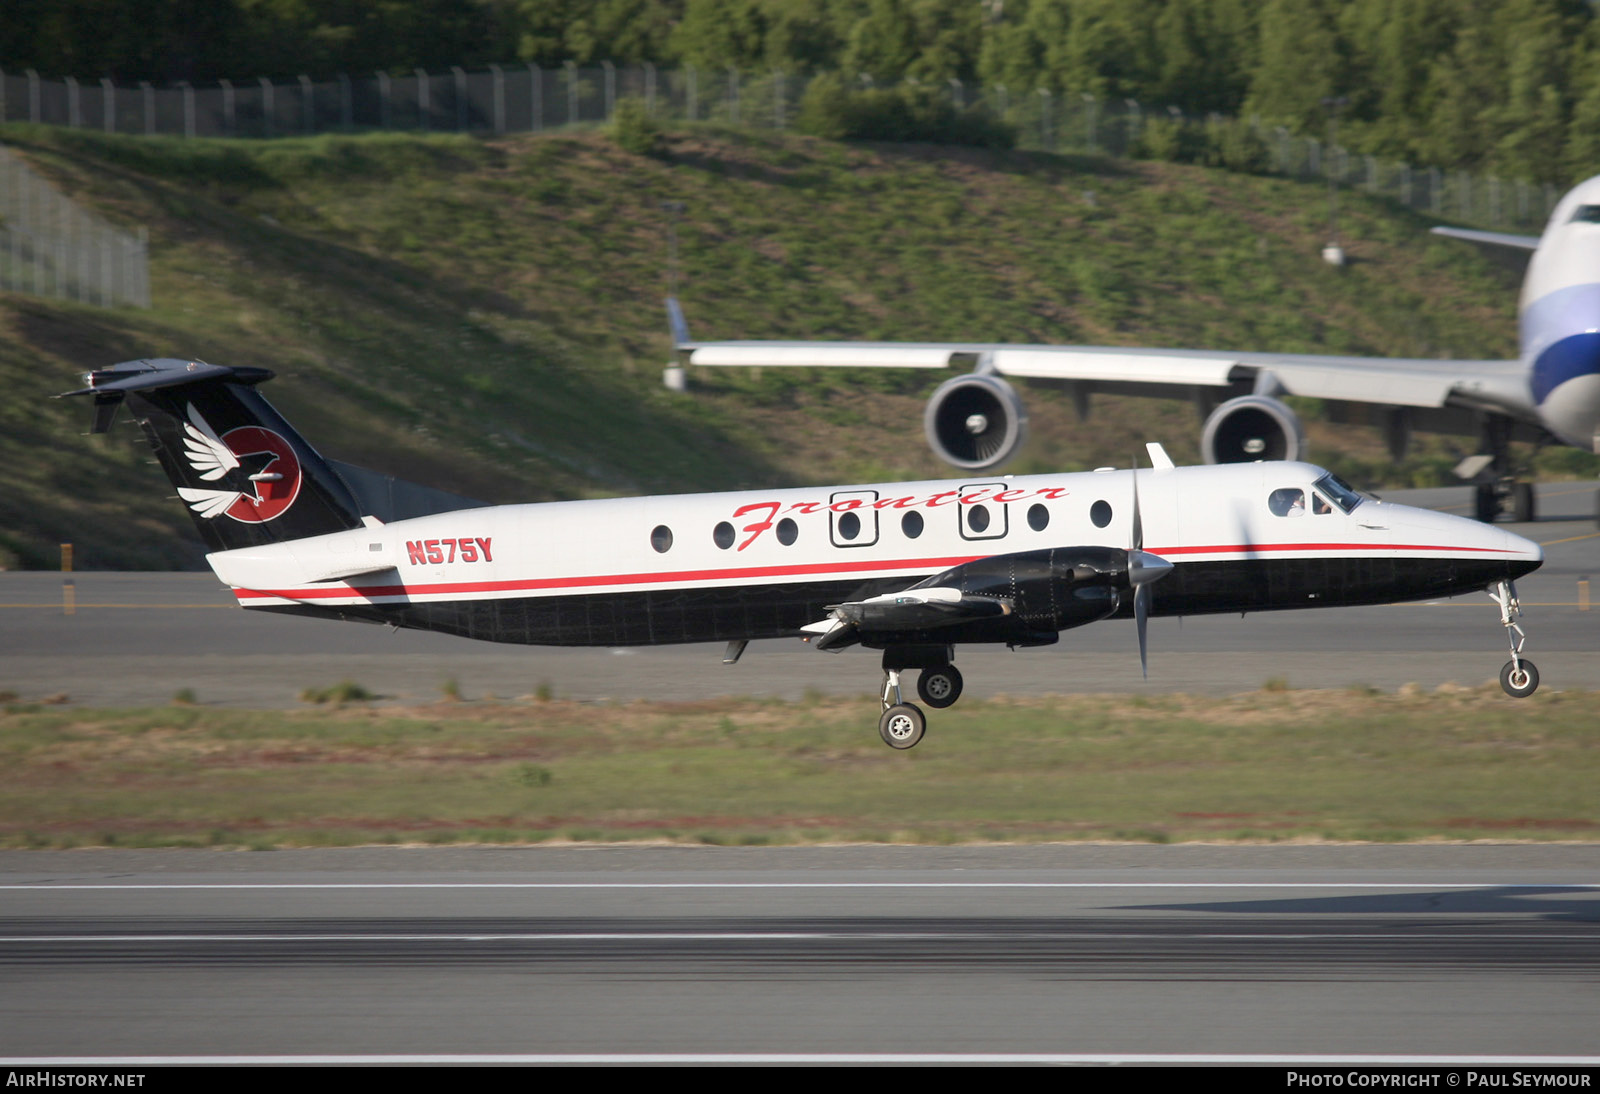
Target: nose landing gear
column 1519, row 678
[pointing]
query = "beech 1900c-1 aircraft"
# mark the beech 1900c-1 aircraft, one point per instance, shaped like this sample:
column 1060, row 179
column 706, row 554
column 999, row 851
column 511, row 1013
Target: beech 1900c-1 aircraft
column 911, row 569
column 1551, row 392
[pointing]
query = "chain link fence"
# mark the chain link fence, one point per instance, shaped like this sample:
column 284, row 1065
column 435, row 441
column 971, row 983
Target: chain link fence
column 523, row 98
column 51, row 246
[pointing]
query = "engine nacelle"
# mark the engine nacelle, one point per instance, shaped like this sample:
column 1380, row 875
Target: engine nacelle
column 1250, row 428
column 975, row 422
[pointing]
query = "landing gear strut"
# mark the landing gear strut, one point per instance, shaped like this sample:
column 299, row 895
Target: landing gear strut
column 1519, row 678
column 1499, row 490
column 902, row 724
column 939, row 684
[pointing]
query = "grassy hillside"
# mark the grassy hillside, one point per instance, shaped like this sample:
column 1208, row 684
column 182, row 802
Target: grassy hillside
column 485, row 315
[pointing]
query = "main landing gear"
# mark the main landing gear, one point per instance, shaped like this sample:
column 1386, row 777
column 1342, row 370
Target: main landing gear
column 1519, row 678
column 1499, row 490
column 939, row 684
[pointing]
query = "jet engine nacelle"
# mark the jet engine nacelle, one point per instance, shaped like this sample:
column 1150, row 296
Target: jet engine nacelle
column 975, row 422
column 1250, row 428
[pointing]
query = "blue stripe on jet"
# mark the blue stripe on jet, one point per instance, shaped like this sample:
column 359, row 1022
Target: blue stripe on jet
column 1561, row 334
column 1574, row 356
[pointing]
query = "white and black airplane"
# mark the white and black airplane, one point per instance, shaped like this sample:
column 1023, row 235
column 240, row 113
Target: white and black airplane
column 911, row 569
column 1552, row 390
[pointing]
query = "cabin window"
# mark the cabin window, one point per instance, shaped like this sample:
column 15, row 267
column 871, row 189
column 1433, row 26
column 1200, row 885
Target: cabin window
column 661, row 538
column 722, row 535
column 852, row 520
column 1100, row 513
column 911, row 524
column 788, row 532
column 1038, row 518
column 1289, row 501
column 981, row 516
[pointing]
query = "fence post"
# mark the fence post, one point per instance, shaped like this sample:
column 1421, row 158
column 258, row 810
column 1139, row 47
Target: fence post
column 693, row 89
column 33, row 96
column 108, row 103
column 777, row 99
column 610, row 88
column 1005, row 100
column 308, row 105
column 188, row 108
column 347, row 104
column 1137, row 116
column 650, row 89
column 1405, row 185
column 267, row 108
column 227, row 107
column 74, row 104
column 424, row 106
column 147, row 96
column 385, row 108
column 1044, row 118
column 958, row 94
column 733, row 94
column 461, row 97
column 499, row 99
column 572, row 92
column 1089, row 105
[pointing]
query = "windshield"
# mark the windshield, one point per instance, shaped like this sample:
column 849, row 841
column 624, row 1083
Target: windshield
column 1338, row 491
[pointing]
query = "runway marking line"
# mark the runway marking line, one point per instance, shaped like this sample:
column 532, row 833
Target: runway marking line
column 1415, row 886
column 572, row 1058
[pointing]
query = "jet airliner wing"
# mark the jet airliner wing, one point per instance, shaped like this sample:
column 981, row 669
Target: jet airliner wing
column 1412, row 382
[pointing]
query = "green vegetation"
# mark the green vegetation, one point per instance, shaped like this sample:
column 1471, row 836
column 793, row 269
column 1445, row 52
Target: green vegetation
column 484, row 315
column 1509, row 87
column 1273, row 765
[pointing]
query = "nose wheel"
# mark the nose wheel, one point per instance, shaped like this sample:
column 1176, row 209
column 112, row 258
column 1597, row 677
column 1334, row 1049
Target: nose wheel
column 1519, row 678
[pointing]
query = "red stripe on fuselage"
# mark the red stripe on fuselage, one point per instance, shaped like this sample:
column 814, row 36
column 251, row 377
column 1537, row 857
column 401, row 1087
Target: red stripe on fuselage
column 824, row 569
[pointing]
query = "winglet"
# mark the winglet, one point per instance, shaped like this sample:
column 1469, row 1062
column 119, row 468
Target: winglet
column 1158, row 456
column 675, row 320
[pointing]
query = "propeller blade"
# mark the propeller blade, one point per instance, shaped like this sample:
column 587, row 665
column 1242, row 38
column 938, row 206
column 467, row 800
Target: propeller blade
column 1138, row 522
column 1141, row 614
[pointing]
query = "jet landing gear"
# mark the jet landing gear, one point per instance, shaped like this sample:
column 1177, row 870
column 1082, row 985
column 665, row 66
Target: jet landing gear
column 1519, row 678
column 939, row 684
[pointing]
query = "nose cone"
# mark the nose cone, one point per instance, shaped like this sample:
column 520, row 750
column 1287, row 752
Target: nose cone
column 1523, row 555
column 1481, row 553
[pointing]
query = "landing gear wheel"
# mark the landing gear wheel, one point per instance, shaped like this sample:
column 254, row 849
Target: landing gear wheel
column 1485, row 505
column 1521, row 681
column 1522, row 503
column 902, row 726
column 939, row 687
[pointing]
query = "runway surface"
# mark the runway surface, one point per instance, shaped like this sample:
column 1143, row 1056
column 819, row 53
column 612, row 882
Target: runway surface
column 138, row 638
column 1069, row 954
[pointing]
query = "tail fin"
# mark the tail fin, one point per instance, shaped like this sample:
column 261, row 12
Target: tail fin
column 247, row 477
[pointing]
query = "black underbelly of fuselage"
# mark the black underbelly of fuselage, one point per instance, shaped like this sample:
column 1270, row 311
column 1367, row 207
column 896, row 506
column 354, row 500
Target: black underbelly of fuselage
column 729, row 613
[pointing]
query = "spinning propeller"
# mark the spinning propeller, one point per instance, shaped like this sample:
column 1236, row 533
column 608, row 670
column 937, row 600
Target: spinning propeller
column 1144, row 570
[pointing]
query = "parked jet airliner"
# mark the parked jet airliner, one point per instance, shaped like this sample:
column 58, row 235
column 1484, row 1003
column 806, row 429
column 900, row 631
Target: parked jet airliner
column 911, row 569
column 1552, row 391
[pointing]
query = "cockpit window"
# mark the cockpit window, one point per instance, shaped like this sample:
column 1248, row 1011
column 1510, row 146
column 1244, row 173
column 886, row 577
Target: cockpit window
column 1320, row 506
column 1341, row 492
column 1290, row 501
column 1587, row 214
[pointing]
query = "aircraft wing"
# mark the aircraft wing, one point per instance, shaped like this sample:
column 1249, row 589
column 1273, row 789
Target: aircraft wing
column 1499, row 386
